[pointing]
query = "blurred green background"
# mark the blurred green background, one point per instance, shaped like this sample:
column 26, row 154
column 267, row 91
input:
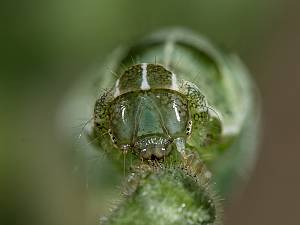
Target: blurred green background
column 46, row 45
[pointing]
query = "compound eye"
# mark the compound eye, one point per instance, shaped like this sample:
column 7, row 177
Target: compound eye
column 112, row 137
column 189, row 128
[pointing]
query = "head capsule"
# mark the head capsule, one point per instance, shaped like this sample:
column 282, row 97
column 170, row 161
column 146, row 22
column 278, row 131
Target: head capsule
column 144, row 113
column 148, row 109
column 148, row 121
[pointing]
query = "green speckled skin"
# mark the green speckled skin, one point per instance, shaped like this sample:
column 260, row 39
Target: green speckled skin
column 206, row 125
column 158, row 77
column 180, row 201
column 130, row 81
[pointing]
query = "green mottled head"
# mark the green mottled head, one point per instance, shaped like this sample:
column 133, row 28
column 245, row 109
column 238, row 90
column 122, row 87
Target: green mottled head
column 149, row 111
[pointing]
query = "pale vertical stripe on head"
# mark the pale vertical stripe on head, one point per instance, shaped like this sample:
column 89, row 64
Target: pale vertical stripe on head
column 117, row 89
column 144, row 84
column 174, row 82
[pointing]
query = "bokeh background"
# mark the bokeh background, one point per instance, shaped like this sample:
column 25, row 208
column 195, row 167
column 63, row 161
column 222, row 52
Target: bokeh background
column 46, row 45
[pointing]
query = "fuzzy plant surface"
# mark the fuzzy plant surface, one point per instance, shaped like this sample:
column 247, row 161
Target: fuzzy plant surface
column 175, row 120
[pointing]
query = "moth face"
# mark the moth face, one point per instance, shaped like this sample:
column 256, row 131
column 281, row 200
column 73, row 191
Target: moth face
column 148, row 121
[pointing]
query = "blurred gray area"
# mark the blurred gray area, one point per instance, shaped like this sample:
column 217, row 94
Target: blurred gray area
column 46, row 45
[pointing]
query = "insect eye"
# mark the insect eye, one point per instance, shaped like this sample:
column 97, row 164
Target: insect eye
column 189, row 128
